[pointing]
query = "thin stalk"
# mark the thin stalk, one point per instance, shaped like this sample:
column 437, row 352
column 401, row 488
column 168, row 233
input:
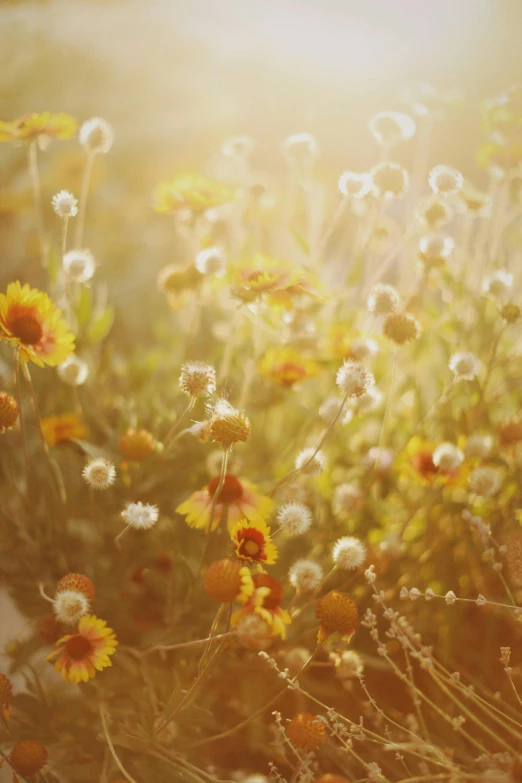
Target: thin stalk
column 84, row 192
column 114, row 755
column 177, row 424
column 22, row 422
column 182, row 645
column 32, row 162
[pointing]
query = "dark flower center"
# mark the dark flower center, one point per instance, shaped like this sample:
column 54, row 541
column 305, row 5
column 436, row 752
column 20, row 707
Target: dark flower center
column 78, row 647
column 250, row 547
column 423, row 463
column 230, row 492
column 27, row 329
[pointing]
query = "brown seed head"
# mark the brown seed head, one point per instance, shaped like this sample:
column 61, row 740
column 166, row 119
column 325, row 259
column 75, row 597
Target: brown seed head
column 401, row 328
column 306, row 731
column 28, row 757
column 228, row 425
column 222, row 580
column 337, row 613
column 511, row 313
column 78, row 583
column 137, row 445
column 510, row 431
column 8, row 411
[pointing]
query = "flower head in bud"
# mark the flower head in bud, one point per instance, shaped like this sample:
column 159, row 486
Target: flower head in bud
column 390, row 127
column 310, row 463
column 28, row 757
column 464, row 365
column 306, row 731
column 140, row 516
column 348, row 553
column 354, row 185
column 69, row 606
column 227, row 425
column 96, row 136
column 353, row 379
column 445, row 179
column 197, row 379
column 485, row 481
column 383, row 300
column 211, row 261
column 401, row 328
column 447, row 457
column 99, row 473
column 305, row 575
column 79, row 265
column 498, row 284
column 73, row 371
column 137, row 445
column 336, row 613
column 8, row 412
column 65, row 204
column 294, row 519
column 389, row 180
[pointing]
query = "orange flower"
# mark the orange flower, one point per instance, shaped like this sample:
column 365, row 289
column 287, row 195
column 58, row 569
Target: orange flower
column 287, row 366
column 39, row 127
column 83, row 653
column 239, row 497
column 61, row 428
column 252, row 542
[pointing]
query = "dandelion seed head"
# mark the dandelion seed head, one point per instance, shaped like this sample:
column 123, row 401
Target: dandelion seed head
column 401, row 328
column 354, row 185
column 227, row 425
column 65, row 204
column 79, row 265
column 73, row 371
column 96, row 135
column 300, row 147
column 485, row 481
column 383, row 300
column 447, row 457
column 254, row 633
column 305, row 575
column 348, row 664
column 140, row 516
column 295, row 658
column 99, row 473
column 69, row 606
column 363, row 348
column 354, row 379
column 445, row 179
column 347, row 497
column 436, row 249
column 389, row 180
column 330, row 408
column 390, row 127
column 294, row 519
column 478, row 446
column 211, row 262
column 310, row 463
column 197, row 379
column 348, row 553
column 464, row 365
column 369, row 401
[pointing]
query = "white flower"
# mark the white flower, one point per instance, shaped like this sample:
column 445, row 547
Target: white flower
column 498, row 284
column 445, row 179
column 254, row 633
column 447, row 457
column 65, row 204
column 96, row 135
column 294, row 519
column 464, row 365
column 73, row 371
column 354, row 185
column 211, row 261
column 390, row 127
column 99, row 473
column 354, row 379
column 368, row 401
column 347, row 497
column 310, row 464
column 383, row 300
column 485, row 481
column 140, row 516
column 349, row 553
column 79, row 265
column 69, row 606
column 478, row 446
column 305, row 575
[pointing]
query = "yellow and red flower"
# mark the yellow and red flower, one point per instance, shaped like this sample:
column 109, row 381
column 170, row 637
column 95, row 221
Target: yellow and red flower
column 80, row 655
column 252, row 542
column 287, row 366
column 416, row 464
column 239, row 497
column 61, row 428
column 39, row 127
column 194, row 192
column 279, row 281
column 265, row 601
column 32, row 323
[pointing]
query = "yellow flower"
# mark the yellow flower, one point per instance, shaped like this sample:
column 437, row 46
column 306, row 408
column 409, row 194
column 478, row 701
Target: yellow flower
column 61, row 428
column 39, row 127
column 83, row 653
column 30, row 320
column 287, row 366
column 279, row 281
column 239, row 497
column 191, row 191
column 265, row 601
column 251, row 541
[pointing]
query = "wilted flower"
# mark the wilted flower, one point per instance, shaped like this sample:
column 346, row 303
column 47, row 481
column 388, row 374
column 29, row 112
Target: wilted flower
column 348, row 553
column 446, row 180
column 96, row 136
column 79, row 265
column 65, row 204
column 227, row 425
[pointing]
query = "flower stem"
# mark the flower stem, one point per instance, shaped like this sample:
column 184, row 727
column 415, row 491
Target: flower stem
column 114, row 755
column 22, row 422
column 80, row 225
column 32, row 161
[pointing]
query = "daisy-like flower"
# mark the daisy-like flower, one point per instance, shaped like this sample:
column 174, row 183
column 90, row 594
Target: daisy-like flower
column 31, row 322
column 99, row 473
column 445, row 179
column 276, row 280
column 294, row 519
column 73, row 371
column 447, row 457
column 305, row 575
column 239, row 496
column 140, row 516
column 354, row 379
column 41, row 128
column 287, row 366
column 390, row 127
column 96, row 136
column 79, row 265
column 61, row 428
column 211, row 261
column 499, row 284
column 65, row 204
column 252, row 542
column 310, row 462
column 265, row 602
column 354, row 185
column 80, row 655
column 464, row 365
column 348, row 553
column 193, row 192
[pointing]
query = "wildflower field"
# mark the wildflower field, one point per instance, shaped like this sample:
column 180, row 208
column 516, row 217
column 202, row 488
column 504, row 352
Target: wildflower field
column 261, row 511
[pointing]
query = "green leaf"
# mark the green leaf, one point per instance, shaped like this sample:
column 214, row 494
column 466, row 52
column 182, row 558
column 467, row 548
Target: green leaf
column 100, row 328
column 84, row 307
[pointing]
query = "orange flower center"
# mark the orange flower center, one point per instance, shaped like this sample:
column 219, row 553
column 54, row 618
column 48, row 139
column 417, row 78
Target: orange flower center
column 78, row 647
column 250, row 547
column 289, row 373
column 230, row 492
column 27, row 329
column 423, row 463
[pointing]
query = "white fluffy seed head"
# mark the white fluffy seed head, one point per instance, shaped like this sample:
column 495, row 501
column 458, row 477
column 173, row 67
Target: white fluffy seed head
column 300, row 147
column 464, row 365
column 348, row 553
column 96, row 135
column 140, row 516
column 65, row 204
column 447, row 457
column 69, row 606
column 73, row 371
column 498, row 284
column 380, row 459
column 294, row 519
column 305, row 575
column 485, row 481
column 347, row 497
column 348, row 664
column 330, row 408
column 197, row 379
column 354, row 379
column 383, row 300
column 211, row 261
column 354, row 185
column 99, row 473
column 369, row 401
column 363, row 348
column 295, row 658
column 390, row 127
column 310, row 464
column 445, row 179
column 478, row 446
column 436, row 247
column 254, row 633
column 79, row 265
